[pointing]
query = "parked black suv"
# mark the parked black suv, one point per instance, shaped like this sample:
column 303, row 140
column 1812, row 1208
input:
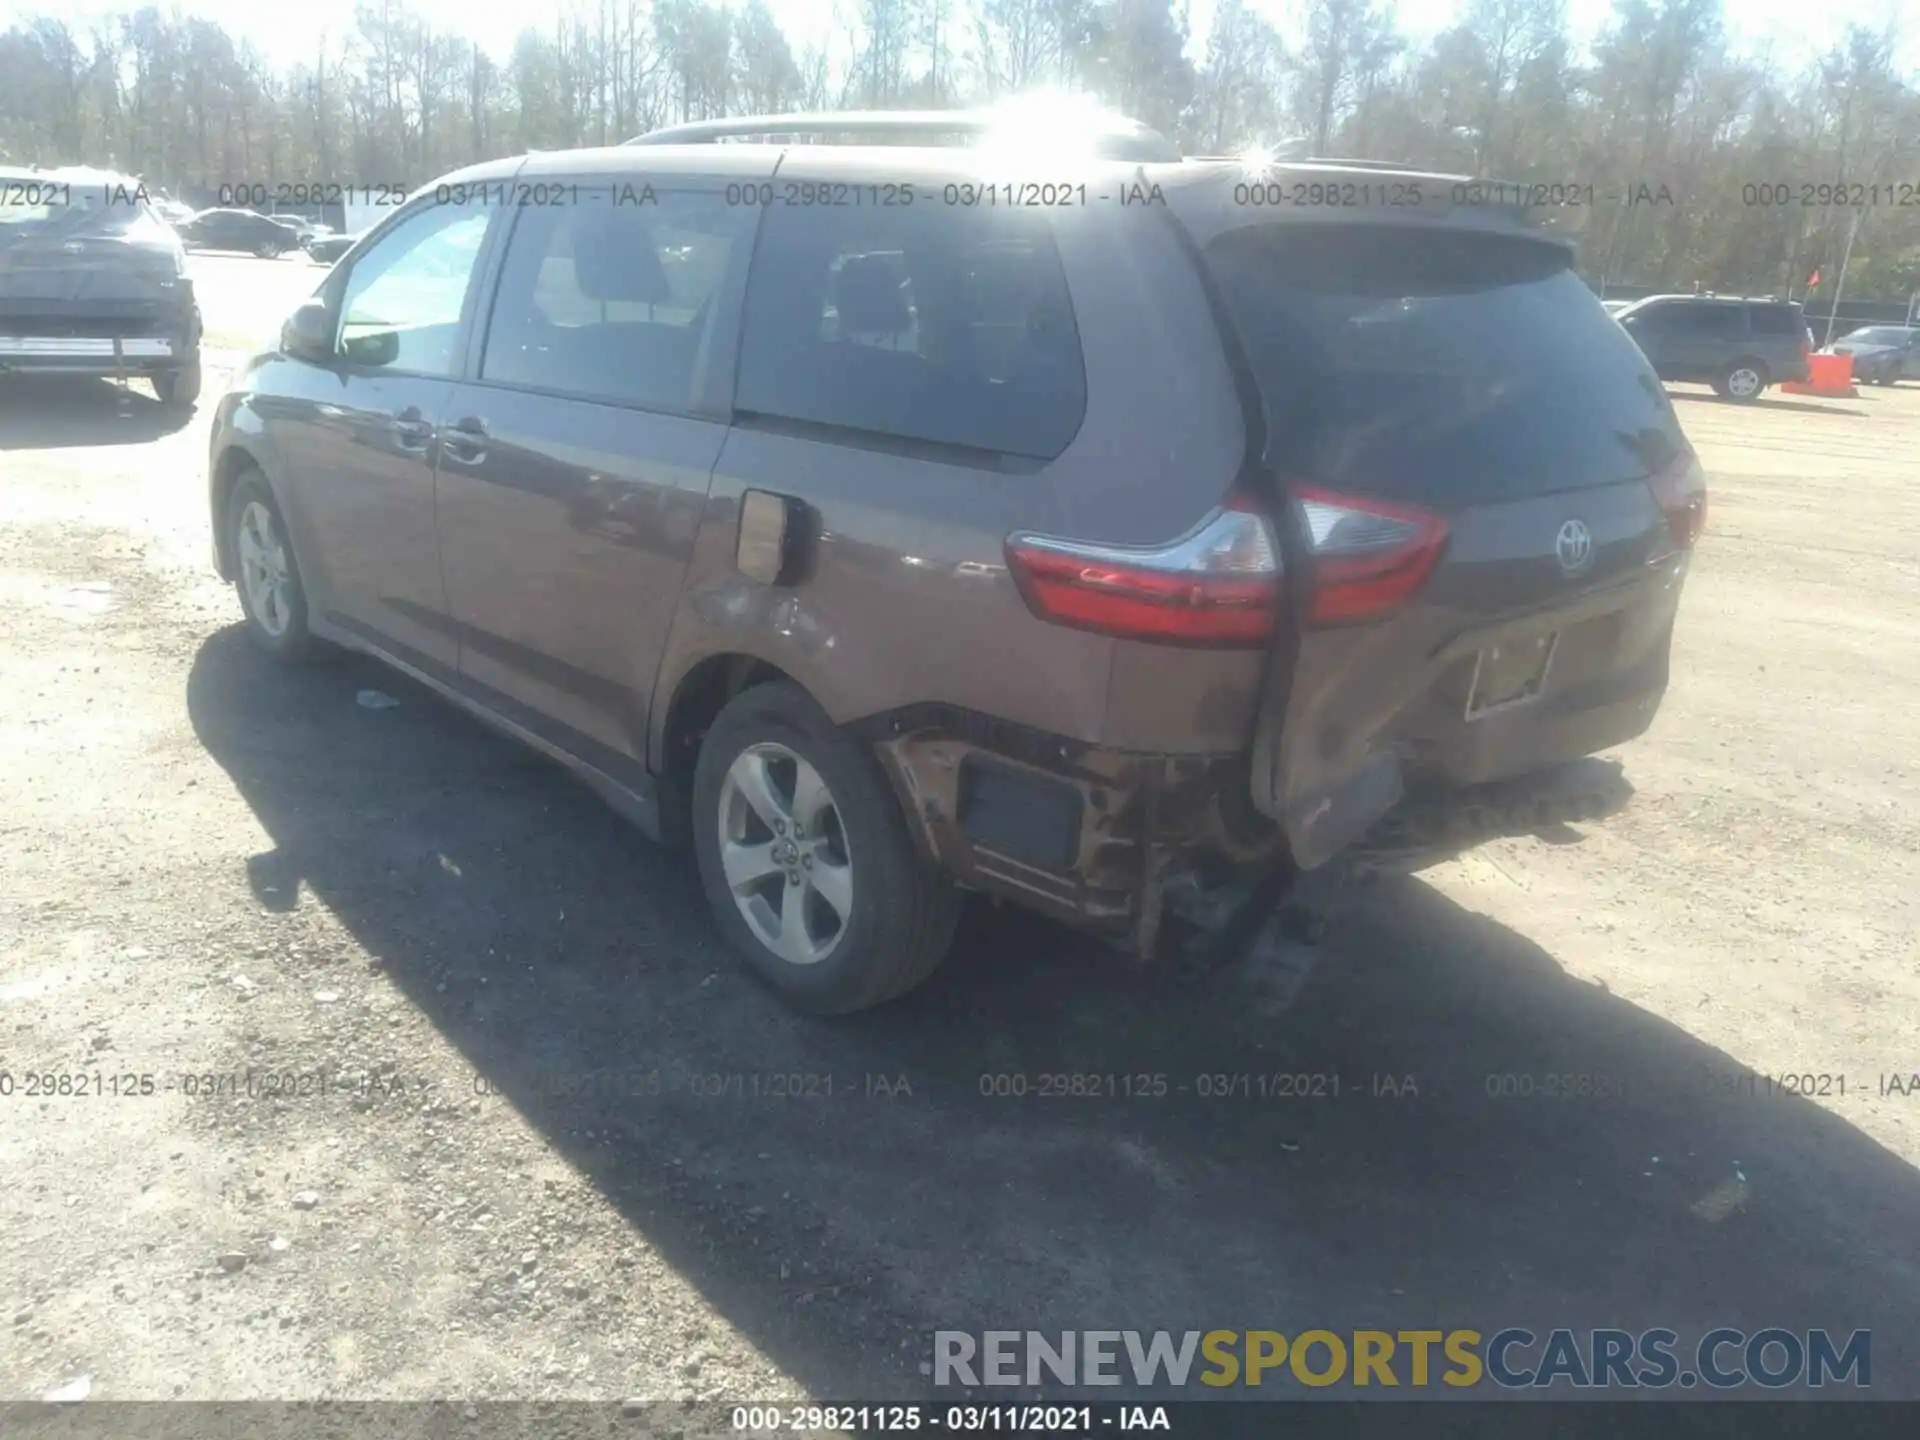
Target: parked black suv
column 1738, row 346
column 93, row 282
column 1123, row 538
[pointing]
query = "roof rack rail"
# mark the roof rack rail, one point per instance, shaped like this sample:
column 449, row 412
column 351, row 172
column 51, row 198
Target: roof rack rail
column 1357, row 164
column 1118, row 139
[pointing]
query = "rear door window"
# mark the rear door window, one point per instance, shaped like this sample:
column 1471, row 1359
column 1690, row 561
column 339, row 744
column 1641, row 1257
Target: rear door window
column 1447, row 368
column 1777, row 321
column 1719, row 322
column 918, row 323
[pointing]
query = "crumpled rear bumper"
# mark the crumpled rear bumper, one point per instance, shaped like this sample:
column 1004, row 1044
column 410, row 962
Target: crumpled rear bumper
column 1098, row 838
column 1118, row 843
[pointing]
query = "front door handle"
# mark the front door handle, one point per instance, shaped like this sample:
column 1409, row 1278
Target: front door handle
column 465, row 441
column 411, row 430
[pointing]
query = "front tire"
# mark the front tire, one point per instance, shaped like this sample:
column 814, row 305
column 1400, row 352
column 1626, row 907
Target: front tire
column 266, row 573
column 806, row 860
column 1744, row 381
column 267, row 250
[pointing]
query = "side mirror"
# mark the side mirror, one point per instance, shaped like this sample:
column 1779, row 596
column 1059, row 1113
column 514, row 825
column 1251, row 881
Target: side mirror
column 372, row 347
column 308, row 332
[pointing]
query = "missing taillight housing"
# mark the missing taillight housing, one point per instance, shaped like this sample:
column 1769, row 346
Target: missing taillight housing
column 1217, row 587
column 1369, row 556
column 1681, row 490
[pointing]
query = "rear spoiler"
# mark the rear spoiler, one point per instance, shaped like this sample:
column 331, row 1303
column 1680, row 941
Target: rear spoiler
column 1221, row 198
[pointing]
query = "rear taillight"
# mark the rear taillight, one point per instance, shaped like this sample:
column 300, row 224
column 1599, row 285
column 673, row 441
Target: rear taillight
column 1369, row 556
column 1681, row 490
column 1219, row 586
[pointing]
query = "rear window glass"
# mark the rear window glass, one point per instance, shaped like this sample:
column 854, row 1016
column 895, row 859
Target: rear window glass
column 922, row 323
column 1445, row 368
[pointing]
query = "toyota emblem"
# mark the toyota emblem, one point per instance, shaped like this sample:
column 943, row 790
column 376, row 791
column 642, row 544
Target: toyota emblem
column 1573, row 547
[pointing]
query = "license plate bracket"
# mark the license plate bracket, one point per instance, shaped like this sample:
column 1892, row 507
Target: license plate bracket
column 1510, row 674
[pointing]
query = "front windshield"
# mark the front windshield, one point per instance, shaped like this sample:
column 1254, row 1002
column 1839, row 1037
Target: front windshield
column 1879, row 335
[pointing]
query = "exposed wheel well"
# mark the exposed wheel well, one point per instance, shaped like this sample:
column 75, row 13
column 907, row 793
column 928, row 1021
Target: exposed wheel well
column 233, row 462
column 702, row 694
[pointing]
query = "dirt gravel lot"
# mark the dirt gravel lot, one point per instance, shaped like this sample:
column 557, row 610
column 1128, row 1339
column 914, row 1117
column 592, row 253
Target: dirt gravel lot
column 212, row 866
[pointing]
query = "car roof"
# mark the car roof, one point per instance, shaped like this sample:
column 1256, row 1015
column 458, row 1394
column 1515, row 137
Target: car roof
column 1201, row 186
column 856, row 164
column 1107, row 132
column 865, row 163
column 69, row 175
column 91, row 175
column 1718, row 300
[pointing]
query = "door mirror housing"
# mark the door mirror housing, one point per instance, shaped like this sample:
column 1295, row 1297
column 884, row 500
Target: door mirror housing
column 308, row 332
column 373, row 347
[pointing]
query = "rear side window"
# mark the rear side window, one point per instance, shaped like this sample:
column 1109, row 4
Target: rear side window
column 613, row 301
column 1717, row 321
column 1688, row 320
column 917, row 323
column 1776, row 320
column 1447, row 368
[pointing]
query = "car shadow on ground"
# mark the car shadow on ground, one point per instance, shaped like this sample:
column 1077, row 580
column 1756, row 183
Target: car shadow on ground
column 1415, row 1184
column 50, row 412
column 1767, row 402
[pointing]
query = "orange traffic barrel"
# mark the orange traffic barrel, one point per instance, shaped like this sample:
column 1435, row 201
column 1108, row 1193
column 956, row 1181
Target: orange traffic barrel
column 1828, row 375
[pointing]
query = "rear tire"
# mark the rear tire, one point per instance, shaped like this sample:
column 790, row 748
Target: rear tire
column 267, row 250
column 1744, row 381
column 273, row 597
column 179, row 389
column 774, row 767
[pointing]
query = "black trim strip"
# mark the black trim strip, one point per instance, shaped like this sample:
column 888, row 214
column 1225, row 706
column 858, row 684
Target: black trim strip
column 940, row 452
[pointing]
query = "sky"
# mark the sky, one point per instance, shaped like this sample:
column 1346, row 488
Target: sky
column 1795, row 30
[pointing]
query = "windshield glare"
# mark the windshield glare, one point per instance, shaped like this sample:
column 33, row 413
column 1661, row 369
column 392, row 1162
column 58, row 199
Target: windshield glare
column 39, row 203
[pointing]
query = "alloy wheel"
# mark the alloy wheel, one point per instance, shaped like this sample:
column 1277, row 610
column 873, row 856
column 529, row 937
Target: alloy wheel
column 264, row 572
column 783, row 849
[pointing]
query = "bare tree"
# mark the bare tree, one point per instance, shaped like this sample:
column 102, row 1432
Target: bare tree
column 1346, row 47
column 1661, row 107
column 1238, row 91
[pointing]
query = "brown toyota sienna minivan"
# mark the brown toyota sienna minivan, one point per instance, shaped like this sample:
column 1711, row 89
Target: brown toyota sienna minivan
column 1128, row 540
